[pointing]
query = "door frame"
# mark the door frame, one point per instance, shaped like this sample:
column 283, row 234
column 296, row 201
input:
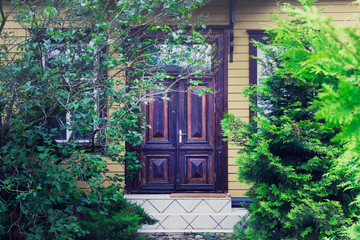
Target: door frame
column 132, row 185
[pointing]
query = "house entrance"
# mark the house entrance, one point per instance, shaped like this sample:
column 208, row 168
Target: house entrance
column 183, row 150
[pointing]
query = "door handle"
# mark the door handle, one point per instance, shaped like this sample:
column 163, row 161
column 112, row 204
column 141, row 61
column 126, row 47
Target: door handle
column 181, row 135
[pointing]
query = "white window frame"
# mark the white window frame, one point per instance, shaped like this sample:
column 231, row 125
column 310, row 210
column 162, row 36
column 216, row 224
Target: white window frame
column 68, row 114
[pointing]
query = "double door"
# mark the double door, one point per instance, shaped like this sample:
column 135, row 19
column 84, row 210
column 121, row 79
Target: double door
column 178, row 151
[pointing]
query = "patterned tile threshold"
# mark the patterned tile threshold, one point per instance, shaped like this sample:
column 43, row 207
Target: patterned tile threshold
column 181, row 214
column 185, row 205
column 166, row 204
column 196, row 222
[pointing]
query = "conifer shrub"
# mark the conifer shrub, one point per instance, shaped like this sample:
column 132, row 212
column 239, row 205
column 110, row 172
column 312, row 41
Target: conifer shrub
column 286, row 154
column 113, row 217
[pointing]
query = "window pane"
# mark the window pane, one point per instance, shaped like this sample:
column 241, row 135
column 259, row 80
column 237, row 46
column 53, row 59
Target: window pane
column 72, row 59
column 183, row 57
column 57, row 125
column 83, row 120
column 264, row 69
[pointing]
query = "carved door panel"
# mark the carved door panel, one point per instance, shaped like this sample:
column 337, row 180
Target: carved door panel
column 196, row 161
column 158, row 150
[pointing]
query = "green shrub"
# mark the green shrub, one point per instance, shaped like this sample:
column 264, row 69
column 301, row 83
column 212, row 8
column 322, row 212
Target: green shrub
column 286, row 154
column 78, row 62
column 113, row 217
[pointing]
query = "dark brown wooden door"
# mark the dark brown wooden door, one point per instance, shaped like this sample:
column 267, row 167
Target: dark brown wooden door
column 183, row 150
column 178, row 150
column 196, row 133
column 158, row 152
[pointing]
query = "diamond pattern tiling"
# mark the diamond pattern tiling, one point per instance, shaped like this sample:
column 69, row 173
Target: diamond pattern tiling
column 219, row 205
column 161, row 204
column 174, row 207
column 189, row 214
column 218, row 227
column 161, row 219
column 229, row 221
column 202, row 207
column 189, row 204
column 189, row 228
column 189, row 218
column 156, row 225
column 149, row 208
column 218, row 219
column 204, row 222
column 174, row 222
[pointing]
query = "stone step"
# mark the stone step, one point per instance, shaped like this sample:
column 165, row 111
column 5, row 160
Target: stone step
column 164, row 203
column 194, row 222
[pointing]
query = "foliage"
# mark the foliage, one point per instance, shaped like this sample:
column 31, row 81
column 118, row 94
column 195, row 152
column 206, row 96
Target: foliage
column 66, row 111
column 339, row 99
column 112, row 217
column 286, row 152
column 338, row 102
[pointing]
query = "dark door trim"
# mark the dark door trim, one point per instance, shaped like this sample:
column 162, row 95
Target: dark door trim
column 221, row 154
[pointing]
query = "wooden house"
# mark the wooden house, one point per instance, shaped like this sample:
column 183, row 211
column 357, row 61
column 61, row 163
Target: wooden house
column 190, row 182
column 189, row 177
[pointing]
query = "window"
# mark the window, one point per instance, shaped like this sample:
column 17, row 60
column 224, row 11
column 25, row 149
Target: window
column 184, row 57
column 75, row 68
column 257, row 72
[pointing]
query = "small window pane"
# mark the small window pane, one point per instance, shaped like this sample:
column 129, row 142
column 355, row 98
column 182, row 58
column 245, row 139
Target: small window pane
column 183, row 57
column 73, row 58
column 57, row 126
column 264, row 68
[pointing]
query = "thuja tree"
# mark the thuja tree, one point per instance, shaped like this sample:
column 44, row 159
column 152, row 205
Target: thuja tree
column 286, row 153
column 338, row 102
column 73, row 75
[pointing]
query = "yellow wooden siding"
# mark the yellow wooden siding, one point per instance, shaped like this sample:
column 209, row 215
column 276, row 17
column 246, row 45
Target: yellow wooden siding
column 254, row 14
column 13, row 29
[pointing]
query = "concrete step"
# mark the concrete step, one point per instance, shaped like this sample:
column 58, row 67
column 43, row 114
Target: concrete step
column 163, row 203
column 188, row 214
column 191, row 222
